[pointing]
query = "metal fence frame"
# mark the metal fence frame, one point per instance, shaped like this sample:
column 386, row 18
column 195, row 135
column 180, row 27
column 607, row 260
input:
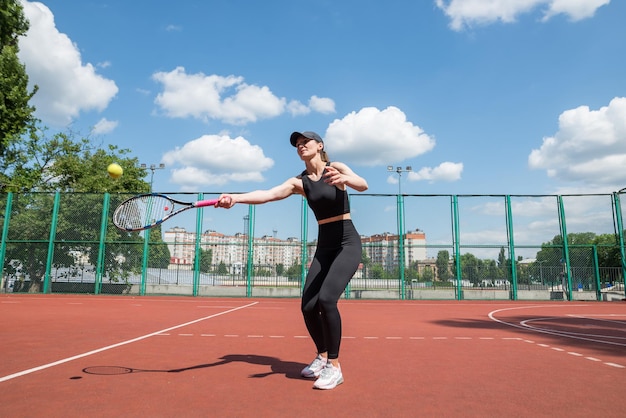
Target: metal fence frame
column 577, row 281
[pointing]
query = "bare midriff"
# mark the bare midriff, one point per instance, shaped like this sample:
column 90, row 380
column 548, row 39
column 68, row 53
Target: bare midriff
column 342, row 217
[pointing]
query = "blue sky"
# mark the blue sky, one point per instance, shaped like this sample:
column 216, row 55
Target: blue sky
column 498, row 97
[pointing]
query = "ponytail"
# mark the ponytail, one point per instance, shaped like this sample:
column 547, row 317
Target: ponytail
column 324, row 156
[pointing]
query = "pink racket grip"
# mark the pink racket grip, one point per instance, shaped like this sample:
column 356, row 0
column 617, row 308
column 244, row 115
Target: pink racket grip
column 203, row 203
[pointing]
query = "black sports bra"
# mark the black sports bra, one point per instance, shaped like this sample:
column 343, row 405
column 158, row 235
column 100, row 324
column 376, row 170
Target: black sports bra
column 325, row 200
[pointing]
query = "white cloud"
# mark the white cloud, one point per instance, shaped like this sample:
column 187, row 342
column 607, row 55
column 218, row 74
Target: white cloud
column 322, row 104
column 297, row 108
column 589, row 148
column 574, row 9
column 227, row 99
column 67, row 87
column 317, row 104
column 214, row 160
column 465, row 13
column 104, row 126
column 445, row 171
column 376, row 137
column 207, row 97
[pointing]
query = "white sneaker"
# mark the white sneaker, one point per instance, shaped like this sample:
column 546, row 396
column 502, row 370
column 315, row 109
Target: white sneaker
column 315, row 368
column 330, row 377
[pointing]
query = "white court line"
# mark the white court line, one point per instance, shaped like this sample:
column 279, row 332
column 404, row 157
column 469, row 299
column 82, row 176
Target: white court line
column 524, row 325
column 109, row 347
column 527, row 323
column 578, row 336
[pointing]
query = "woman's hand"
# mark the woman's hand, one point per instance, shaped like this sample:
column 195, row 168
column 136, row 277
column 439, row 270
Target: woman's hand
column 334, row 177
column 225, row 201
column 339, row 174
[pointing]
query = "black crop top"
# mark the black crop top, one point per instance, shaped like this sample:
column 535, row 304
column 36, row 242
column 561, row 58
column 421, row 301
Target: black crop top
column 324, row 199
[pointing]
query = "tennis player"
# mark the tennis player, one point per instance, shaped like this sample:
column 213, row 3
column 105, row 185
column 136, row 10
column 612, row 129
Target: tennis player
column 324, row 184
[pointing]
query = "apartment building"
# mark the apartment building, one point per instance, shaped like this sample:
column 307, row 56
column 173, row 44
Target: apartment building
column 232, row 250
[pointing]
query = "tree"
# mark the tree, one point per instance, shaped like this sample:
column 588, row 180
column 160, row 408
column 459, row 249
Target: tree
column 160, row 253
column 294, row 272
column 44, row 165
column 609, row 254
column 428, row 275
column 470, row 268
column 15, row 112
column 490, row 272
column 552, row 255
column 280, row 269
column 377, row 272
column 443, row 265
column 503, row 269
column 65, row 162
column 262, row 272
column 366, row 261
column 411, row 274
column 222, row 269
column 206, row 260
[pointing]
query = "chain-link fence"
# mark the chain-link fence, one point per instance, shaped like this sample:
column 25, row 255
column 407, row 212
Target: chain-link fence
column 568, row 247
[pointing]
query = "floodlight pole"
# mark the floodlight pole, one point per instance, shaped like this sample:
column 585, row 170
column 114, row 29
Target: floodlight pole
column 400, row 170
column 153, row 168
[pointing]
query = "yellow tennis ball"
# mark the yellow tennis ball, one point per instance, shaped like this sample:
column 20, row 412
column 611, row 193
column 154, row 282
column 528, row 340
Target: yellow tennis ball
column 115, row 170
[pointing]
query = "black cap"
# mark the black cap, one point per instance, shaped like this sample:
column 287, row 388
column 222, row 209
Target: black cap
column 308, row 134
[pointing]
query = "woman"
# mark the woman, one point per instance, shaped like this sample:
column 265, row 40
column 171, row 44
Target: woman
column 338, row 254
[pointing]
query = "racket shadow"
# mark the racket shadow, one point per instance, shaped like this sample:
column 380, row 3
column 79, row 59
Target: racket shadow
column 289, row 369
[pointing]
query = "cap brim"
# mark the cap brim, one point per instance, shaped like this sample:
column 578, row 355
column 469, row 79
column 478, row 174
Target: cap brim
column 294, row 137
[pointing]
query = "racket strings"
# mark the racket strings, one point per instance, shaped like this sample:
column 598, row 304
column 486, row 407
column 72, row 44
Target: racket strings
column 142, row 211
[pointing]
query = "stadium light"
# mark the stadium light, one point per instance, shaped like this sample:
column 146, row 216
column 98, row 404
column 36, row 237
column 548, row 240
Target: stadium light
column 152, row 167
column 400, row 170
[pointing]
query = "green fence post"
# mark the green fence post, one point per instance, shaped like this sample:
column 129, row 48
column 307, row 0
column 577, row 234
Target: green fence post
column 303, row 244
column 596, row 272
column 400, row 205
column 197, row 253
column 5, row 233
column 457, row 246
column 566, row 261
column 509, row 229
column 620, row 234
column 53, row 232
column 250, row 261
column 103, row 233
column 144, row 262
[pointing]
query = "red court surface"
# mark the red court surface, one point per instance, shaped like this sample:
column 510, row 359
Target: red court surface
column 98, row 356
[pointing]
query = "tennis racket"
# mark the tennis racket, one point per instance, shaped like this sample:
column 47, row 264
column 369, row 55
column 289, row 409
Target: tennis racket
column 149, row 210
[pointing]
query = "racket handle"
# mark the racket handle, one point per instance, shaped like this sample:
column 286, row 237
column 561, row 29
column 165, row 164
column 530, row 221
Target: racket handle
column 203, row 203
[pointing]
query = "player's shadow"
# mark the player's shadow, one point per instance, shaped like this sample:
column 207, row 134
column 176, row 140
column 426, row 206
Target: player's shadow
column 289, row 369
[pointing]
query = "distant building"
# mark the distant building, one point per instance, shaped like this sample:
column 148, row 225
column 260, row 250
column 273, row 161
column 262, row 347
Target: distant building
column 383, row 248
column 232, row 250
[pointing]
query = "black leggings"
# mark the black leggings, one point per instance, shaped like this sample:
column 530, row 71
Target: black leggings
column 336, row 259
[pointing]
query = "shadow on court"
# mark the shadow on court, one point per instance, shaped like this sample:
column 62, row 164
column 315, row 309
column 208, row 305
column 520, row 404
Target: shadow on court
column 289, row 369
column 600, row 335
